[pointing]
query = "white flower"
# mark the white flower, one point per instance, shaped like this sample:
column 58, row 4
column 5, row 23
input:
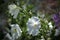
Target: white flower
column 15, row 31
column 33, row 26
column 50, row 25
column 14, row 10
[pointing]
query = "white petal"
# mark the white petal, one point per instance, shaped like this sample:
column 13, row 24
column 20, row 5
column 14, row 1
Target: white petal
column 12, row 6
column 8, row 36
column 35, row 32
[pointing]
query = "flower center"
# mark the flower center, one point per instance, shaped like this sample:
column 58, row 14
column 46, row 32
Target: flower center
column 15, row 30
column 35, row 25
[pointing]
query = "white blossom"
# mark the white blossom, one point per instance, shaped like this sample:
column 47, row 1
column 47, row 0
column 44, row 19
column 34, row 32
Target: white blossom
column 50, row 25
column 15, row 31
column 33, row 25
column 13, row 10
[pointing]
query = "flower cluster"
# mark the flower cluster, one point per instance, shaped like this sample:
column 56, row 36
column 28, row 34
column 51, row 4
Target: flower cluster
column 26, row 24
